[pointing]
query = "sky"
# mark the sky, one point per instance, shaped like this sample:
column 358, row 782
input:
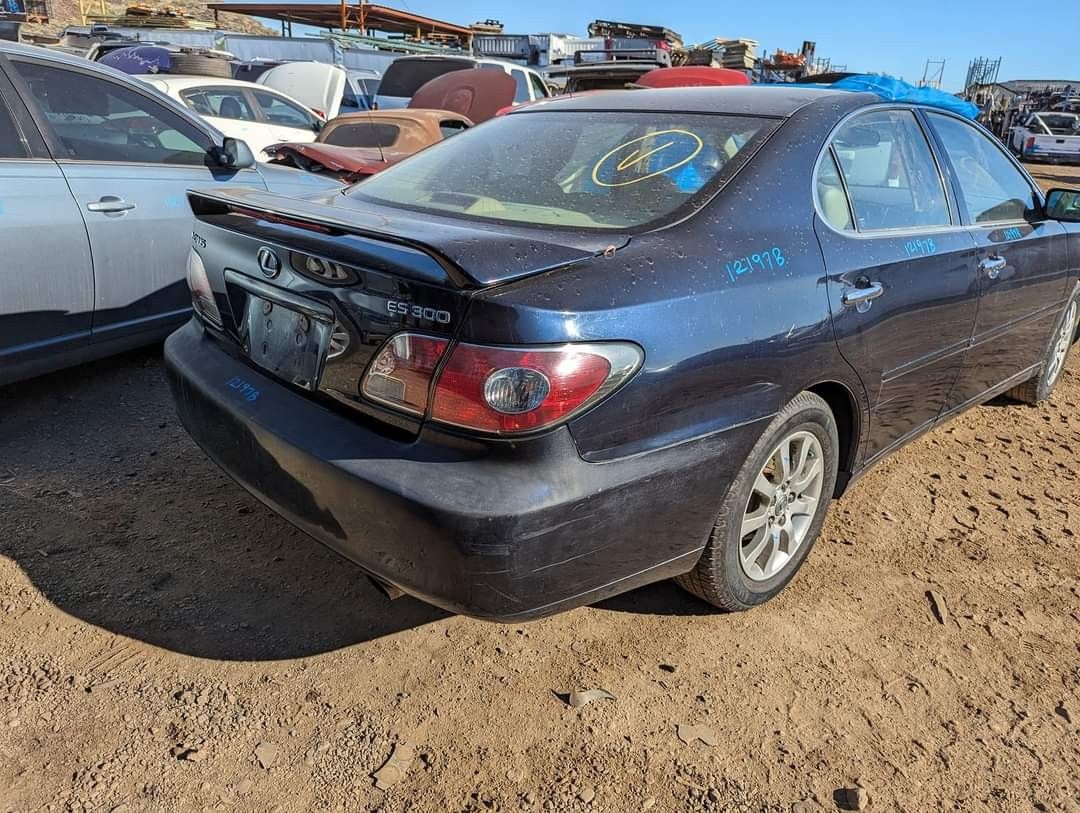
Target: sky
column 1036, row 39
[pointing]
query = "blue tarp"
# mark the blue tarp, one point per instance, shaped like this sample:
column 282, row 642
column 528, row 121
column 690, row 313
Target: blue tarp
column 895, row 90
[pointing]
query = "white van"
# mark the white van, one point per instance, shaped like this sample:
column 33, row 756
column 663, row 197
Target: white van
column 406, row 74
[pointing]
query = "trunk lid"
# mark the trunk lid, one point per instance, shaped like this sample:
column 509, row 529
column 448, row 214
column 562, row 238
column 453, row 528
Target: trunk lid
column 358, row 274
column 314, row 84
column 478, row 253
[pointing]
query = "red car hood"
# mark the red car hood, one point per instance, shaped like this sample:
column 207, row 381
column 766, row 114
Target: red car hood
column 354, row 160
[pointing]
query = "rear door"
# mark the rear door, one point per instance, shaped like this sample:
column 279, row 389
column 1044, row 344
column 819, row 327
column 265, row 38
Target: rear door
column 901, row 270
column 46, row 277
column 1022, row 258
column 128, row 160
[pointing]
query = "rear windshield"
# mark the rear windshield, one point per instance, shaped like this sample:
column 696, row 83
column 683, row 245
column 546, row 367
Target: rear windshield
column 1061, row 123
column 363, row 134
column 405, row 76
column 595, row 170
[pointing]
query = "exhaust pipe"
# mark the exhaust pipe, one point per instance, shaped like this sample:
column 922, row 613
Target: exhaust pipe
column 387, row 589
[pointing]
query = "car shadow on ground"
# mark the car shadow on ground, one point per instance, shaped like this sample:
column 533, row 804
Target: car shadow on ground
column 120, row 520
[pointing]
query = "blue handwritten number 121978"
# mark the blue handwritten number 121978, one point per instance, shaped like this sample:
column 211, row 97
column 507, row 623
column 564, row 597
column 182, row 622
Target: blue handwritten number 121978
column 920, row 246
column 767, row 260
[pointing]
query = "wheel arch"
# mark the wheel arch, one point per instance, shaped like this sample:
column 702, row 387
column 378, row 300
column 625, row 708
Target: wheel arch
column 845, row 410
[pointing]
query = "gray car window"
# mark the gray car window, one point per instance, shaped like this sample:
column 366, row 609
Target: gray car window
column 11, row 145
column 892, row 179
column 992, row 189
column 225, row 103
column 98, row 120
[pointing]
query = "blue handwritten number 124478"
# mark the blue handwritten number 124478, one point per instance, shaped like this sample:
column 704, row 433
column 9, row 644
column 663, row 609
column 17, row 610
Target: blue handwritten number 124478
column 767, row 260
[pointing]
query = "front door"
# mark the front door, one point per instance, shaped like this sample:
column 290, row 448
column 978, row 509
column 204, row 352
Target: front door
column 901, row 271
column 129, row 160
column 1022, row 260
column 46, row 275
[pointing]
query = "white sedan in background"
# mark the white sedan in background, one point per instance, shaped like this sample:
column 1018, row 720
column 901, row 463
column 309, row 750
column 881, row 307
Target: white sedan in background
column 254, row 113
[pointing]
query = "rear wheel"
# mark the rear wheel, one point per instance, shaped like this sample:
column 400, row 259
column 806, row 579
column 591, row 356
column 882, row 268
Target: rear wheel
column 1039, row 388
column 773, row 512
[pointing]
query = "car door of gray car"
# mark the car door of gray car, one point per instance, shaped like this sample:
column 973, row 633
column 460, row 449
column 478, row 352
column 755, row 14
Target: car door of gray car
column 46, row 276
column 129, row 160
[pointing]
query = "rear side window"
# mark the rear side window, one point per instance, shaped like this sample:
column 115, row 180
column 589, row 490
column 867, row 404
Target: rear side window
column 11, row 143
column 830, row 192
column 992, row 189
column 363, row 134
column 596, row 170
column 521, row 94
column 540, row 90
column 405, row 76
column 892, row 179
column 225, row 103
column 449, row 127
column 96, row 119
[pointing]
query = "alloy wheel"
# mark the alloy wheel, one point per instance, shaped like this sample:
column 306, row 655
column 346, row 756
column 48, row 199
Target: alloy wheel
column 782, row 505
column 1062, row 344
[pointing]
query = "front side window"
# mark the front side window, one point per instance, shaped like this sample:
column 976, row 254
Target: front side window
column 224, row 103
column 595, row 170
column 283, row 112
column 11, row 143
column 99, row 120
column 892, row 179
column 992, row 189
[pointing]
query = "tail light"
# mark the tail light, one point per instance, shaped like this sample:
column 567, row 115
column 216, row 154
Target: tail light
column 202, row 295
column 1030, row 143
column 498, row 390
column 400, row 376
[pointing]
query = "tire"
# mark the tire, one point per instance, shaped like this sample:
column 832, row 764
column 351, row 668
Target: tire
column 200, row 65
column 1037, row 389
column 720, row 576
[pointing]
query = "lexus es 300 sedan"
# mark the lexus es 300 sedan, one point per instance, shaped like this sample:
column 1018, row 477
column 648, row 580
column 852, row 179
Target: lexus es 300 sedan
column 619, row 338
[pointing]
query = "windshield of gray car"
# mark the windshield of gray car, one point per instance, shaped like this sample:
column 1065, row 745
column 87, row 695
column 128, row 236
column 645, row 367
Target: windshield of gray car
column 593, row 170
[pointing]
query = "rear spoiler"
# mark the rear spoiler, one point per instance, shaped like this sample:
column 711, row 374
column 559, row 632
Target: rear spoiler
column 267, row 210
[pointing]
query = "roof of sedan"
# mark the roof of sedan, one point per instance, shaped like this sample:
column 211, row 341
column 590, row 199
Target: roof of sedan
column 761, row 100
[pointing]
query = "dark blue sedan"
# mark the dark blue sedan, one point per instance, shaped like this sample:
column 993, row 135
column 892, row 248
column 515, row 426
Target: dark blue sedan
column 619, row 338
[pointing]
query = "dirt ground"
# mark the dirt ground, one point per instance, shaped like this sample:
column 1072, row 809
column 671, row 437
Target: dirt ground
column 167, row 644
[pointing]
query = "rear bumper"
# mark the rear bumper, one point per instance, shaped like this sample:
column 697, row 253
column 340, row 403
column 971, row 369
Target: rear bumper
column 493, row 530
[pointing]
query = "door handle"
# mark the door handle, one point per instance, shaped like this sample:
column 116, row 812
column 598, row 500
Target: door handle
column 993, row 266
column 862, row 296
column 110, row 204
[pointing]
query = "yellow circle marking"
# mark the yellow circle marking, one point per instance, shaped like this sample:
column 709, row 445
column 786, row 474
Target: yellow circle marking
column 636, row 158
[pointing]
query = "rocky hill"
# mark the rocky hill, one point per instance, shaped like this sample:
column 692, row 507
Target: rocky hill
column 63, row 13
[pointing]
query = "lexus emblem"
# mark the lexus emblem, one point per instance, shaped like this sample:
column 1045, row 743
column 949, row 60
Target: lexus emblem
column 269, row 263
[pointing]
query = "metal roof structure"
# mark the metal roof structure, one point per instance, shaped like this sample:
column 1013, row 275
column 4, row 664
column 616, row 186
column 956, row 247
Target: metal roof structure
column 360, row 15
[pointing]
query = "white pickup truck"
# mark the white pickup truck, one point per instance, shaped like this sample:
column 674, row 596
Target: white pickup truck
column 1050, row 135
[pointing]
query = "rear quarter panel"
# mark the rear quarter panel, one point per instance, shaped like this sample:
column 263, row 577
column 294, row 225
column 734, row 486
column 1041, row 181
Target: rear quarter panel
column 730, row 307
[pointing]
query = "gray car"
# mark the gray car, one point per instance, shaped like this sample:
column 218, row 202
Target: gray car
column 95, row 226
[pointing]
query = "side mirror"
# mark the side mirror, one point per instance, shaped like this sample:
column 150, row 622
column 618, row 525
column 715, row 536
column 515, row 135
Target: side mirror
column 1063, row 205
column 234, row 154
